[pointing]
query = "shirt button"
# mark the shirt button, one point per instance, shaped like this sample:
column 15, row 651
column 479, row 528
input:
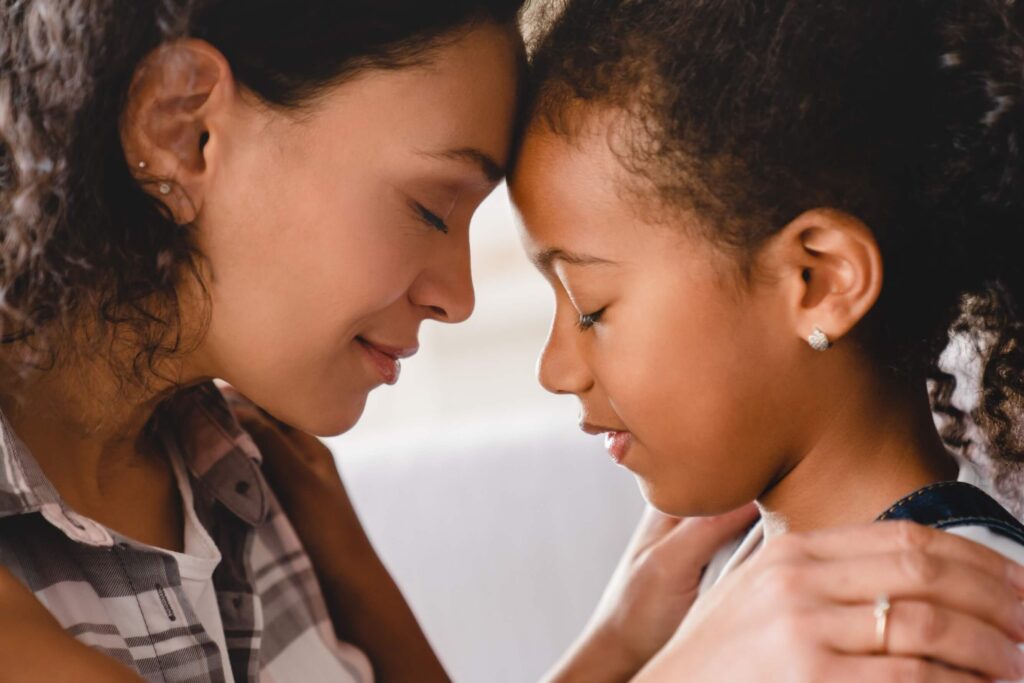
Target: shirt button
column 242, row 487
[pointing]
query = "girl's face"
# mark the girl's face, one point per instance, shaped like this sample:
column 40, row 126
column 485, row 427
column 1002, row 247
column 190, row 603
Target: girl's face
column 671, row 355
column 331, row 236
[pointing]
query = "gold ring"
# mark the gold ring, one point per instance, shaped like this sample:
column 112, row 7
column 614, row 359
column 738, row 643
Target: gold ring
column 882, row 609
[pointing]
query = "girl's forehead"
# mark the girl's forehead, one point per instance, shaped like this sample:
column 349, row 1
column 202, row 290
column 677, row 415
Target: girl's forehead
column 561, row 187
column 567, row 176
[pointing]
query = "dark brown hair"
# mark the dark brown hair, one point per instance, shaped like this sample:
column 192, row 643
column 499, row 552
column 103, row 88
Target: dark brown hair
column 908, row 114
column 80, row 241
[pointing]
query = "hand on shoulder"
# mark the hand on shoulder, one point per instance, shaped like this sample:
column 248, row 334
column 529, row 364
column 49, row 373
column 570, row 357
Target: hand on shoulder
column 803, row 610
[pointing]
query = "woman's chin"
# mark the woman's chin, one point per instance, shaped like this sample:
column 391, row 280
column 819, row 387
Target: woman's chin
column 338, row 422
column 330, row 418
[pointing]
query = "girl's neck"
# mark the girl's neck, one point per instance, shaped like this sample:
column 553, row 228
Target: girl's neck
column 875, row 445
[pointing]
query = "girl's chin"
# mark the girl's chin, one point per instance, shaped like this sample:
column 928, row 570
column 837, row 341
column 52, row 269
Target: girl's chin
column 679, row 502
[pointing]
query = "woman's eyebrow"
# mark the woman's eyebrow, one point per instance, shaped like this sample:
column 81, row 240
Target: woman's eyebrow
column 490, row 168
column 545, row 259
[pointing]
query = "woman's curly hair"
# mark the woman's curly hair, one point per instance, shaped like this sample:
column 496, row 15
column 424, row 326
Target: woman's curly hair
column 83, row 248
column 908, row 114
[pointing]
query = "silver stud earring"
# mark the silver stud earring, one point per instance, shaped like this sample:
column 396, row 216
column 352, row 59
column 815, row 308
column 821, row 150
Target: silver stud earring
column 142, row 164
column 818, row 340
column 164, row 188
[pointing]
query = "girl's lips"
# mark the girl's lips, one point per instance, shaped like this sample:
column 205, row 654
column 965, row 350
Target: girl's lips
column 618, row 445
column 617, row 441
column 388, row 365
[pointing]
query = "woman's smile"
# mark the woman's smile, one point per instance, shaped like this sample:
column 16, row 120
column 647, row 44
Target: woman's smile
column 386, row 360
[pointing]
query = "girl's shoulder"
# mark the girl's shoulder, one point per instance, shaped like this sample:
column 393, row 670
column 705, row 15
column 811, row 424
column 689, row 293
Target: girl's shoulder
column 962, row 508
column 959, row 507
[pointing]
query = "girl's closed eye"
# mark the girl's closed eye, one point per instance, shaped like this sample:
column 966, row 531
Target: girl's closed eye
column 588, row 320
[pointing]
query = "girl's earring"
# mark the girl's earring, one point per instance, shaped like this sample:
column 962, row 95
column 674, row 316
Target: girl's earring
column 142, row 164
column 164, row 188
column 818, row 340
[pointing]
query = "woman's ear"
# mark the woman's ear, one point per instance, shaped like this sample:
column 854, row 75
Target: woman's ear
column 173, row 120
column 831, row 271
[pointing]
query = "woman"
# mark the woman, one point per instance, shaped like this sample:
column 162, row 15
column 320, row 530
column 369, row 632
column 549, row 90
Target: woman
column 277, row 194
column 184, row 187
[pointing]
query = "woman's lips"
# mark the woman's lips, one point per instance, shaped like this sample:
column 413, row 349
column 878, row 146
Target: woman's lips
column 387, row 360
column 618, row 445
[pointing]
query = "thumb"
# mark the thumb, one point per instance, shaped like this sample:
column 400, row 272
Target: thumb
column 695, row 540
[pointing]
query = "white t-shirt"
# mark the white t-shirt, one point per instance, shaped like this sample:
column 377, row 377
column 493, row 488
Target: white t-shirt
column 197, row 564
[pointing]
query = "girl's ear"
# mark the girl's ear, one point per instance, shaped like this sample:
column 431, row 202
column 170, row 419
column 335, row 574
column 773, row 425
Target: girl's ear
column 173, row 122
column 830, row 267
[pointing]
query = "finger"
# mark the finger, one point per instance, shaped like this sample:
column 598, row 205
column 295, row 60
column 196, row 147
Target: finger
column 920, row 629
column 268, row 437
column 889, row 537
column 847, row 669
column 917, row 576
column 244, row 410
column 288, row 455
column 274, row 443
column 230, row 393
column 223, row 385
column 653, row 526
column 699, row 538
column 250, row 417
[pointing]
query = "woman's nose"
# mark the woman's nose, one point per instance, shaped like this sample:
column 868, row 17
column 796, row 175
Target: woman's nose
column 445, row 288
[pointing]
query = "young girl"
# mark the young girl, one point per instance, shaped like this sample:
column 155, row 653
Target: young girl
column 762, row 222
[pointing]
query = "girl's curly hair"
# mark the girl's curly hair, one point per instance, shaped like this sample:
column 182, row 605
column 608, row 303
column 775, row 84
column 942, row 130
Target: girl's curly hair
column 908, row 114
column 82, row 246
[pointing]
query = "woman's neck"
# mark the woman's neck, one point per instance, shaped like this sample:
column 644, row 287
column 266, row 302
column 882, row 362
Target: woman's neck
column 876, row 444
column 87, row 430
column 83, row 431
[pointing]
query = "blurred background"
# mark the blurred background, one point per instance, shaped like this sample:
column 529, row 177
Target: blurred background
column 500, row 520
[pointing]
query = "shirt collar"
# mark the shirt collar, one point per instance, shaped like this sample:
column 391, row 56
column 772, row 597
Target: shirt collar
column 220, row 455
column 23, row 486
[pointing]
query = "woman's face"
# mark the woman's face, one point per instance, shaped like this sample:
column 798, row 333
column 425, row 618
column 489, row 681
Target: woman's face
column 332, row 235
column 671, row 355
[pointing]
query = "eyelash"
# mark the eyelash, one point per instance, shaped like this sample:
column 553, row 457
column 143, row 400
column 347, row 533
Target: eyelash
column 588, row 320
column 430, row 218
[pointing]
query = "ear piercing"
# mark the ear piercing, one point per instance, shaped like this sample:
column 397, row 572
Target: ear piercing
column 818, row 340
column 163, row 188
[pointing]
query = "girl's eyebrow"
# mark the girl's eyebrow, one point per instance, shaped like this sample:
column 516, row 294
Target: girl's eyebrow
column 545, row 259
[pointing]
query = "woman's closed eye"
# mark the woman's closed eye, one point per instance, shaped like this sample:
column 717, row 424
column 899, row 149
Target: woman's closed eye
column 588, row 320
column 430, row 218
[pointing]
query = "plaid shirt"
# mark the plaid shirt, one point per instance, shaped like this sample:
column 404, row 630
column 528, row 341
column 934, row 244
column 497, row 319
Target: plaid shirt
column 125, row 598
